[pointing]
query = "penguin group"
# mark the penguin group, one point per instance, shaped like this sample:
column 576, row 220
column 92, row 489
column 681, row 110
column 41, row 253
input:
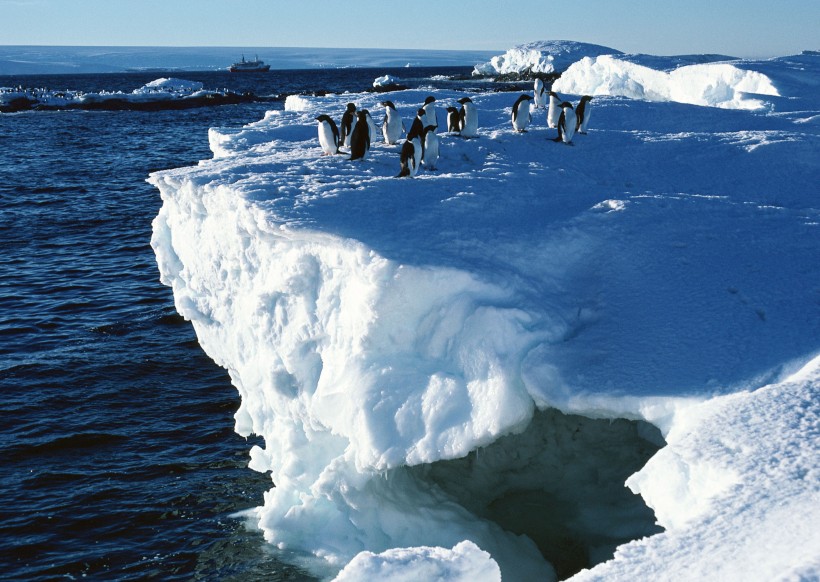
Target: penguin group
column 357, row 131
column 561, row 115
column 567, row 120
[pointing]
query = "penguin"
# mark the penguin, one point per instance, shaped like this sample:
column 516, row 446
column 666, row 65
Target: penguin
column 554, row 111
column 348, row 122
column 411, row 153
column 430, row 115
column 539, row 94
column 566, row 123
column 582, row 112
column 521, row 115
column 469, row 117
column 393, row 125
column 328, row 135
column 371, row 125
column 417, row 128
column 429, row 155
column 360, row 140
column 453, row 120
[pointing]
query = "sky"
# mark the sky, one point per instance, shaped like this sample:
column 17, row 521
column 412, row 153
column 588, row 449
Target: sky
column 743, row 28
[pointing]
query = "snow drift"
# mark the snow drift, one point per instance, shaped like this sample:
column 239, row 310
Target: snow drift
column 713, row 84
column 404, row 346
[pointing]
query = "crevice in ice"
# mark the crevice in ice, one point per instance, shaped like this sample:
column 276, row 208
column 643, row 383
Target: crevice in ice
column 561, row 483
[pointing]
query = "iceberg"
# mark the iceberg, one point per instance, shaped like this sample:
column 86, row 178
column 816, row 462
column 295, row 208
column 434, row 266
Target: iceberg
column 163, row 93
column 546, row 56
column 607, row 352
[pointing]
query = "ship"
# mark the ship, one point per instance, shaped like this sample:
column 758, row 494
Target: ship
column 254, row 66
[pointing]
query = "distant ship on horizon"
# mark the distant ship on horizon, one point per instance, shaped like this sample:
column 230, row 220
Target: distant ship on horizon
column 254, row 66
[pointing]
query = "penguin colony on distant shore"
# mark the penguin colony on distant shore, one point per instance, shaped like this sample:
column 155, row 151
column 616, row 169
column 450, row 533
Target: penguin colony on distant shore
column 421, row 145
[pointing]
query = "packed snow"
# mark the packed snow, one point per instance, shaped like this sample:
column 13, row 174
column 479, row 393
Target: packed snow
column 458, row 375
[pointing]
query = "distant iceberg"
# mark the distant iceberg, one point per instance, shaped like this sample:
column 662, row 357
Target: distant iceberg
column 544, row 56
column 157, row 95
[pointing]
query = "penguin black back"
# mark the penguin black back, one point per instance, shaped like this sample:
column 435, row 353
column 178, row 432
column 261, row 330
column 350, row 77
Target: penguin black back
column 360, row 139
column 453, row 120
column 408, row 152
column 417, row 129
column 347, row 122
column 581, row 110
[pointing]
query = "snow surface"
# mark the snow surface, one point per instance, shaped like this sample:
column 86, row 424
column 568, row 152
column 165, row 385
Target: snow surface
column 545, row 56
column 663, row 268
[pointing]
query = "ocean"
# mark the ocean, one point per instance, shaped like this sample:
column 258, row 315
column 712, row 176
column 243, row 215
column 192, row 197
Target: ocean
column 118, row 452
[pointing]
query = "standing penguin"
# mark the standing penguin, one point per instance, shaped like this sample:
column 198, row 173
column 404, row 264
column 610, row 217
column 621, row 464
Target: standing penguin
column 430, row 116
column 418, row 125
column 554, row 111
column 566, row 123
column 360, row 140
column 348, row 122
column 328, row 135
column 371, row 125
column 539, row 94
column 411, row 152
column 429, row 156
column 521, row 115
column 469, row 117
column 582, row 112
column 393, row 125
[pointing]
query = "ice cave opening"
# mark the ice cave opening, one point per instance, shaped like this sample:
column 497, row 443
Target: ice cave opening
column 561, row 483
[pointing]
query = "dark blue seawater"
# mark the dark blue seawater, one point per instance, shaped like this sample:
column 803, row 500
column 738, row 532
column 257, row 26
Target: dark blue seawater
column 118, row 459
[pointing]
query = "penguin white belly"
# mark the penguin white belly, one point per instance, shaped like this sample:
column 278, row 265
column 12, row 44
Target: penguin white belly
column 470, row 128
column 326, row 139
column 371, row 126
column 349, row 135
column 430, row 117
column 554, row 112
column 392, row 126
column 430, row 150
column 583, row 128
column 540, row 94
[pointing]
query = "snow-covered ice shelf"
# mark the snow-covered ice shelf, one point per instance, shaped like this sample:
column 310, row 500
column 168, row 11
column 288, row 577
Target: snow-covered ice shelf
column 399, row 343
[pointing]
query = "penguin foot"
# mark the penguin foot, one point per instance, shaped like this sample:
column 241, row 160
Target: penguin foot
column 556, row 139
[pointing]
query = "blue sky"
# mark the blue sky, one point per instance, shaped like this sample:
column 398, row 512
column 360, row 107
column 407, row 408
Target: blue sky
column 734, row 27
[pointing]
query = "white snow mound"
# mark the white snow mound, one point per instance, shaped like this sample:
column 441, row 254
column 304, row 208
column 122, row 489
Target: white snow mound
column 713, row 84
column 466, row 562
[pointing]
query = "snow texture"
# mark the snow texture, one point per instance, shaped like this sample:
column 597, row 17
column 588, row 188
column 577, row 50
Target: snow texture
column 663, row 268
